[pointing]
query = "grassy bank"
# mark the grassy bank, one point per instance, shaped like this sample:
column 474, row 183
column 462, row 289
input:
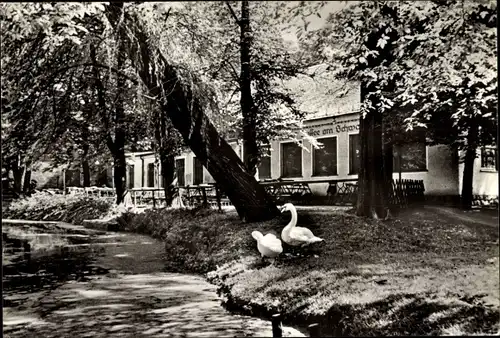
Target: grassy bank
column 43, row 206
column 418, row 274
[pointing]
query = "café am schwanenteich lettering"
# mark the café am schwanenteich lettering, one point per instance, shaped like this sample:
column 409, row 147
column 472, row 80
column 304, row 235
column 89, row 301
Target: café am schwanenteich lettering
column 333, row 128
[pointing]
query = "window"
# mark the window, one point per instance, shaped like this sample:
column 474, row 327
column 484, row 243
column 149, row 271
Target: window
column 413, row 157
column 325, row 159
column 489, row 158
column 265, row 164
column 151, row 174
column 179, row 169
column 354, row 154
column 131, row 169
column 291, row 160
column 198, row 171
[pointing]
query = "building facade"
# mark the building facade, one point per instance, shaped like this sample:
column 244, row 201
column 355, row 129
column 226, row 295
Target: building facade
column 332, row 108
column 438, row 166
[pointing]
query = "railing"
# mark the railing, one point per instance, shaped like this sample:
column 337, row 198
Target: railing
column 341, row 192
column 102, row 192
column 191, row 196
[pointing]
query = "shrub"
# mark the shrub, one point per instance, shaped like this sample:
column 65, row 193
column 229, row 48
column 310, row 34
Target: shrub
column 43, row 206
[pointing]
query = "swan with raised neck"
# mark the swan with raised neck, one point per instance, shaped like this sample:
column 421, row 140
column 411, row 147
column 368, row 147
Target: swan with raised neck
column 294, row 235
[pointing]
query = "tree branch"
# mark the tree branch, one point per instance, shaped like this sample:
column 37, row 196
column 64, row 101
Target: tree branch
column 233, row 13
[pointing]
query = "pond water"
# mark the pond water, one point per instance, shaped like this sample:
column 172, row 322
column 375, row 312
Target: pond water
column 62, row 280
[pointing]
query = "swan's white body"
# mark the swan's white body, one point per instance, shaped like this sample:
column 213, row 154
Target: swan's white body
column 268, row 245
column 296, row 236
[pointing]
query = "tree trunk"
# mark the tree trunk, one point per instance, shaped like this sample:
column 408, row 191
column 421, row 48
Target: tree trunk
column 468, row 175
column 167, row 173
column 17, row 172
column 250, row 148
column 27, row 181
column 120, row 165
column 164, row 135
column 467, row 180
column 85, row 155
column 373, row 175
column 86, row 173
column 186, row 112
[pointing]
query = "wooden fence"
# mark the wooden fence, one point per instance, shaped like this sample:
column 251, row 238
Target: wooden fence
column 403, row 193
column 406, row 192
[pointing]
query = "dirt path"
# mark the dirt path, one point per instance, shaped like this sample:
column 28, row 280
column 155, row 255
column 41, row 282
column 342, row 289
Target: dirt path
column 478, row 217
column 118, row 289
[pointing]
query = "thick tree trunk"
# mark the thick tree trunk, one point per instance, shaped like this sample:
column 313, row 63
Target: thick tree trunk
column 186, row 112
column 467, row 180
column 250, row 148
column 373, row 175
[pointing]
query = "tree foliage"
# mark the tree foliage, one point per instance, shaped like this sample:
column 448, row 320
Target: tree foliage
column 434, row 62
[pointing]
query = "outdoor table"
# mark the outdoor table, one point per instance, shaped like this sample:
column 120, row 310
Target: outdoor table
column 287, row 189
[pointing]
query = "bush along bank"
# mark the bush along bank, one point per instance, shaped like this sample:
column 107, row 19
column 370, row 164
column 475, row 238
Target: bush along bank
column 43, row 206
column 412, row 275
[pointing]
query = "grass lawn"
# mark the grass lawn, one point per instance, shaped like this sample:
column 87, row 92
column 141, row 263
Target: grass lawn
column 419, row 273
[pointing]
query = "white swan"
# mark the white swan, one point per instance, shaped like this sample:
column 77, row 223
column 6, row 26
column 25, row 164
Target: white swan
column 296, row 236
column 268, row 245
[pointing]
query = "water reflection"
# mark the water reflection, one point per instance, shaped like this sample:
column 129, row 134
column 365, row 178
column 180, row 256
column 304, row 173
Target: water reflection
column 34, row 261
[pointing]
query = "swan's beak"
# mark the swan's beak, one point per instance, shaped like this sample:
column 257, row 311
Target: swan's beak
column 282, row 208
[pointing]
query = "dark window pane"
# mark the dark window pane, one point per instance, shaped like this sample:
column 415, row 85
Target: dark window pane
column 198, row 171
column 151, row 175
column 489, row 158
column 325, row 159
column 72, row 178
column 354, row 154
column 291, row 160
column 179, row 169
column 131, row 172
column 413, row 157
column 265, row 165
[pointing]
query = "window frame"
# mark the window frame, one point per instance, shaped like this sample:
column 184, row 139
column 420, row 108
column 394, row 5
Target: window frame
column 131, row 176
column 350, row 172
column 426, row 149
column 194, row 171
column 183, row 159
column 258, row 167
column 150, row 177
column 281, row 160
column 313, row 156
column 495, row 167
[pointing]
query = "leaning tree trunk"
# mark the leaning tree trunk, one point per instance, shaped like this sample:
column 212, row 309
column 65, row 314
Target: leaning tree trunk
column 179, row 101
column 373, row 175
column 250, row 148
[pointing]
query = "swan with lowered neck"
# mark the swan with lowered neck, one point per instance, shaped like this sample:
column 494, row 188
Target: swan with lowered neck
column 297, row 236
column 268, row 245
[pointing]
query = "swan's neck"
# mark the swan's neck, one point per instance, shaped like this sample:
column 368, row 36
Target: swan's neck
column 293, row 222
